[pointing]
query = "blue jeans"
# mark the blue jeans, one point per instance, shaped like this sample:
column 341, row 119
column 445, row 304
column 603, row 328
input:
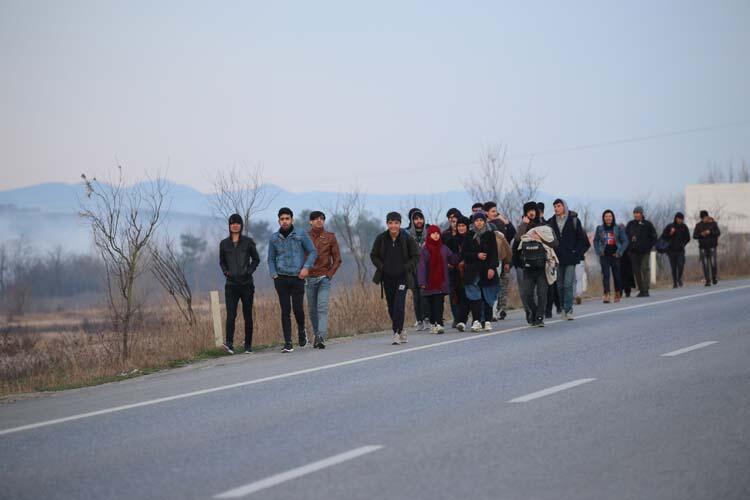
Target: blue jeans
column 318, row 289
column 566, row 286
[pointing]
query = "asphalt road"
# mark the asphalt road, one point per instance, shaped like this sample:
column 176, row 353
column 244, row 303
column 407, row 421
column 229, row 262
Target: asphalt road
column 646, row 399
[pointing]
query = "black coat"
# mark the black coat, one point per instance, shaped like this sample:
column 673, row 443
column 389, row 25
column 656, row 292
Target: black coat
column 641, row 235
column 474, row 265
column 409, row 253
column 678, row 240
column 712, row 239
column 573, row 243
column 238, row 262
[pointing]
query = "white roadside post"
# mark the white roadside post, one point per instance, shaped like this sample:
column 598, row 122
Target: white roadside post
column 653, row 267
column 216, row 315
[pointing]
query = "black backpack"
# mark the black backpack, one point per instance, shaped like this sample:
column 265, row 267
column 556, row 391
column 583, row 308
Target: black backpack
column 533, row 255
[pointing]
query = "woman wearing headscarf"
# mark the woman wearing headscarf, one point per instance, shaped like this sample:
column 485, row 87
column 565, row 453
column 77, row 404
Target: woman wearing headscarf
column 433, row 276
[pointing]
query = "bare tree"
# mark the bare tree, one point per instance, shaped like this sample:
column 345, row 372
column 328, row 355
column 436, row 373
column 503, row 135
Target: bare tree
column 169, row 269
column 3, row 270
column 431, row 207
column 490, row 182
column 123, row 222
column 241, row 191
column 495, row 182
column 347, row 215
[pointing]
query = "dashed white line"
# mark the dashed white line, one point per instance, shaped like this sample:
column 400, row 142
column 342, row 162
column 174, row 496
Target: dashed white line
column 688, row 349
column 398, row 352
column 551, row 390
column 298, row 472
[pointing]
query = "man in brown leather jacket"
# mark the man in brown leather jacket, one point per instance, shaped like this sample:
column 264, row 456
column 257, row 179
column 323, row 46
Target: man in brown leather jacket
column 319, row 280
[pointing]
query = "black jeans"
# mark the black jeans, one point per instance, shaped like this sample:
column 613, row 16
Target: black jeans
column 535, row 287
column 291, row 291
column 395, row 297
column 708, row 261
column 232, row 295
column 553, row 299
column 611, row 266
column 421, row 307
column 677, row 263
column 436, row 304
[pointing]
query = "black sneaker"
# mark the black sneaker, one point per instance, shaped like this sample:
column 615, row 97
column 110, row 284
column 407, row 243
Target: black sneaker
column 641, row 294
column 321, row 345
column 681, row 284
column 303, row 339
column 288, row 348
column 228, row 348
column 708, row 283
column 248, row 349
column 715, row 282
column 540, row 322
column 503, row 315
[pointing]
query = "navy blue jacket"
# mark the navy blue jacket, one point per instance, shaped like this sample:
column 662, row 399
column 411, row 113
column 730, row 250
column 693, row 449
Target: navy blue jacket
column 573, row 242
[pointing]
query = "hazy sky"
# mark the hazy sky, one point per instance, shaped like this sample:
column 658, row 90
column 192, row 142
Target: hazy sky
column 398, row 96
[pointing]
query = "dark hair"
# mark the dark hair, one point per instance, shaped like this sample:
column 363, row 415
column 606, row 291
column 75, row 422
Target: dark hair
column 704, row 213
column 393, row 216
column 558, row 201
column 614, row 220
column 679, row 215
column 540, row 206
column 464, row 220
column 487, row 206
column 453, row 212
column 286, row 211
column 317, row 214
column 477, row 205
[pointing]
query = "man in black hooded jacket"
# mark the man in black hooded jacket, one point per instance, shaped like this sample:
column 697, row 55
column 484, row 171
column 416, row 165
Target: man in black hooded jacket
column 678, row 236
column 238, row 258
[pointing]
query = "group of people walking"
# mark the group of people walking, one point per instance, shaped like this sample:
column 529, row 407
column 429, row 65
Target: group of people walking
column 625, row 251
column 469, row 261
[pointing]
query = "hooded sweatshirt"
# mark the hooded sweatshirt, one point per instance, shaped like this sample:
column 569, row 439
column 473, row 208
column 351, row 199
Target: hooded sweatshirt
column 679, row 240
column 573, row 242
column 421, row 235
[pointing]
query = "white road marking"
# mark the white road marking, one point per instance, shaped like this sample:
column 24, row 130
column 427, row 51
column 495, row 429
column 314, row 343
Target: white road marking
column 688, row 349
column 551, row 390
column 298, row 472
column 398, row 352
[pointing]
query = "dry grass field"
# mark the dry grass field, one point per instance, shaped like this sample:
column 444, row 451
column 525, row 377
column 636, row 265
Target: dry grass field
column 59, row 350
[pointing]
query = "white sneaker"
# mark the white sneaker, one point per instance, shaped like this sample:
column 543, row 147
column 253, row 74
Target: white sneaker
column 433, row 329
column 396, row 340
column 570, row 316
column 440, row 329
column 487, row 326
column 564, row 316
column 476, row 326
column 402, row 338
column 421, row 326
column 417, row 325
column 461, row 327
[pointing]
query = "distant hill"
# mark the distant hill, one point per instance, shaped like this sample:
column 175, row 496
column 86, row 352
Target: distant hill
column 51, row 210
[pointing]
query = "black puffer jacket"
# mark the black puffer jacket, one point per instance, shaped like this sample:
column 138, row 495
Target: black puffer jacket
column 238, row 262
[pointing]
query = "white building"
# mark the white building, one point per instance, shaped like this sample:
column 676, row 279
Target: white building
column 729, row 204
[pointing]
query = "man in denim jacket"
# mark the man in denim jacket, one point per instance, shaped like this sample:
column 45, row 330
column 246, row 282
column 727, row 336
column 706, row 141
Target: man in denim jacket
column 289, row 268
